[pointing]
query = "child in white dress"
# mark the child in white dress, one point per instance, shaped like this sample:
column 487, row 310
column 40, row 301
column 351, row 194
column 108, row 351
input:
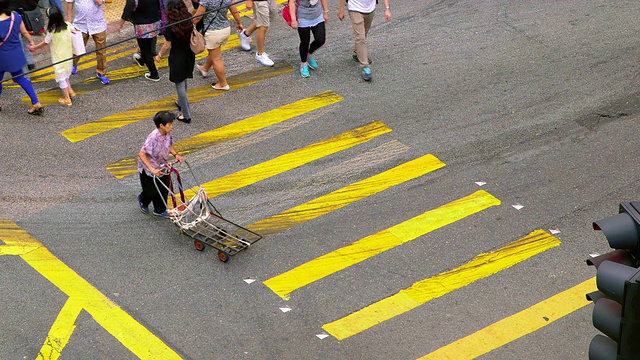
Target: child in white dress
column 59, row 38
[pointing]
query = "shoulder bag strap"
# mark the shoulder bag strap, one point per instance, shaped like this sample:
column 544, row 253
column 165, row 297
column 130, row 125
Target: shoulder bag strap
column 10, row 29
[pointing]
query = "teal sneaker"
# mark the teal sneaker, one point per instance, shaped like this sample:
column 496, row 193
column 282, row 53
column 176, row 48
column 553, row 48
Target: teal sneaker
column 366, row 74
column 312, row 63
column 304, row 71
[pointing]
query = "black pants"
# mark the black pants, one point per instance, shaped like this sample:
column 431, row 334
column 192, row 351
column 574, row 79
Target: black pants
column 150, row 194
column 305, row 37
column 147, row 49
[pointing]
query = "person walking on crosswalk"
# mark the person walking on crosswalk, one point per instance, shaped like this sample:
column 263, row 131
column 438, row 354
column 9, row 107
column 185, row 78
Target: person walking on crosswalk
column 90, row 20
column 59, row 39
column 12, row 57
column 263, row 11
column 309, row 16
column 217, row 32
column 361, row 13
column 181, row 58
column 146, row 18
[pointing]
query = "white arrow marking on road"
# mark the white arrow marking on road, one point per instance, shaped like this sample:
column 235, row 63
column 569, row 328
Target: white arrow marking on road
column 249, row 280
column 285, row 309
column 517, row 206
column 554, row 231
column 480, row 183
column 322, row 336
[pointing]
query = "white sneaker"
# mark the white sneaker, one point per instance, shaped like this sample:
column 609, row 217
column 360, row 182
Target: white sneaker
column 264, row 59
column 138, row 59
column 244, row 41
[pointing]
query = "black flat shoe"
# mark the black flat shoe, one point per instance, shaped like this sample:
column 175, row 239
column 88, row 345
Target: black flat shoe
column 183, row 119
column 36, row 111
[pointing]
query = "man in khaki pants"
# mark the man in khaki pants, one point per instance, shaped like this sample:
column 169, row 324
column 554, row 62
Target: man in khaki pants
column 361, row 13
column 90, row 20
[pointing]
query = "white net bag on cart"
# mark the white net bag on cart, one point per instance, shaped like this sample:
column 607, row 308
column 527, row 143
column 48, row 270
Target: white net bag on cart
column 194, row 211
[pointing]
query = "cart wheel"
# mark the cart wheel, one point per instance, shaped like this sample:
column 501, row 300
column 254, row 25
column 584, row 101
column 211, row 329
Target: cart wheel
column 198, row 245
column 223, row 256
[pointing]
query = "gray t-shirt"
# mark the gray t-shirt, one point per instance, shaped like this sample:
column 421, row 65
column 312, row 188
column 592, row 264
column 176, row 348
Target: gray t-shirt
column 309, row 9
column 218, row 18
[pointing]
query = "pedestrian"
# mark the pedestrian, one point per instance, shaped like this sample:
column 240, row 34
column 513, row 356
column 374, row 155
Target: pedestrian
column 12, row 58
column 263, row 10
column 153, row 154
column 361, row 13
column 217, row 32
column 59, row 39
column 309, row 16
column 181, row 58
column 90, row 21
column 27, row 5
column 146, row 18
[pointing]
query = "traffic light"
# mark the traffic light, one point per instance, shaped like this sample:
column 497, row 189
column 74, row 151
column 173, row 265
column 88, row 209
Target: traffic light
column 617, row 302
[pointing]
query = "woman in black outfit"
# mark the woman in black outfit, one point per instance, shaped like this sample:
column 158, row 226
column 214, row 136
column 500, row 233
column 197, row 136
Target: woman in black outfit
column 145, row 16
column 181, row 58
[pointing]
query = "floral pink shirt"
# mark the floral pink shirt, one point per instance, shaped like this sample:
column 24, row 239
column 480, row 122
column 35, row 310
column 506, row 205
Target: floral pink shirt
column 157, row 149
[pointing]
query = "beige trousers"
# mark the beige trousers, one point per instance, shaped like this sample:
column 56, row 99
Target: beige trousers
column 361, row 24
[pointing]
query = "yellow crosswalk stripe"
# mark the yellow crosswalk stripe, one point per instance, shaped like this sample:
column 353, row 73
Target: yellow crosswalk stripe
column 61, row 331
column 517, row 325
column 377, row 243
column 112, row 318
column 86, row 62
column 292, row 160
column 346, row 195
column 129, row 166
column 92, row 83
column 147, row 110
column 482, row 266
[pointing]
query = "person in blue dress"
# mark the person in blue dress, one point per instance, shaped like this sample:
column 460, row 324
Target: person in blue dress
column 12, row 58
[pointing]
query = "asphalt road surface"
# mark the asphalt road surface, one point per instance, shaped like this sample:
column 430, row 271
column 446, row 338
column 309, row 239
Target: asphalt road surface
column 442, row 210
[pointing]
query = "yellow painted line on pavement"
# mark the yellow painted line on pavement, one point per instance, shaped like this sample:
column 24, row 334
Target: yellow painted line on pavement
column 237, row 129
column 516, row 326
column 379, row 242
column 86, row 62
column 50, row 97
column 61, row 331
column 346, row 195
column 146, row 111
column 112, row 318
column 482, row 266
column 134, row 71
column 294, row 159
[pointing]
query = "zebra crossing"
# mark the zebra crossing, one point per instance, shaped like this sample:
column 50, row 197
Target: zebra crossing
column 309, row 271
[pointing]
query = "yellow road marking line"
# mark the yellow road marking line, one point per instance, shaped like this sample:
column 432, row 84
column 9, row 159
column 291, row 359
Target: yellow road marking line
column 242, row 9
column 134, row 71
column 517, row 325
column 112, row 318
column 50, row 97
column 146, row 111
column 482, row 266
column 61, row 331
column 86, row 62
column 293, row 159
column 346, row 195
column 237, row 129
column 379, row 242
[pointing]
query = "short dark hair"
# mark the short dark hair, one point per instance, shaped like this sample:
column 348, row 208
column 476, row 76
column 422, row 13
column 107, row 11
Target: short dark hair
column 6, row 7
column 161, row 117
